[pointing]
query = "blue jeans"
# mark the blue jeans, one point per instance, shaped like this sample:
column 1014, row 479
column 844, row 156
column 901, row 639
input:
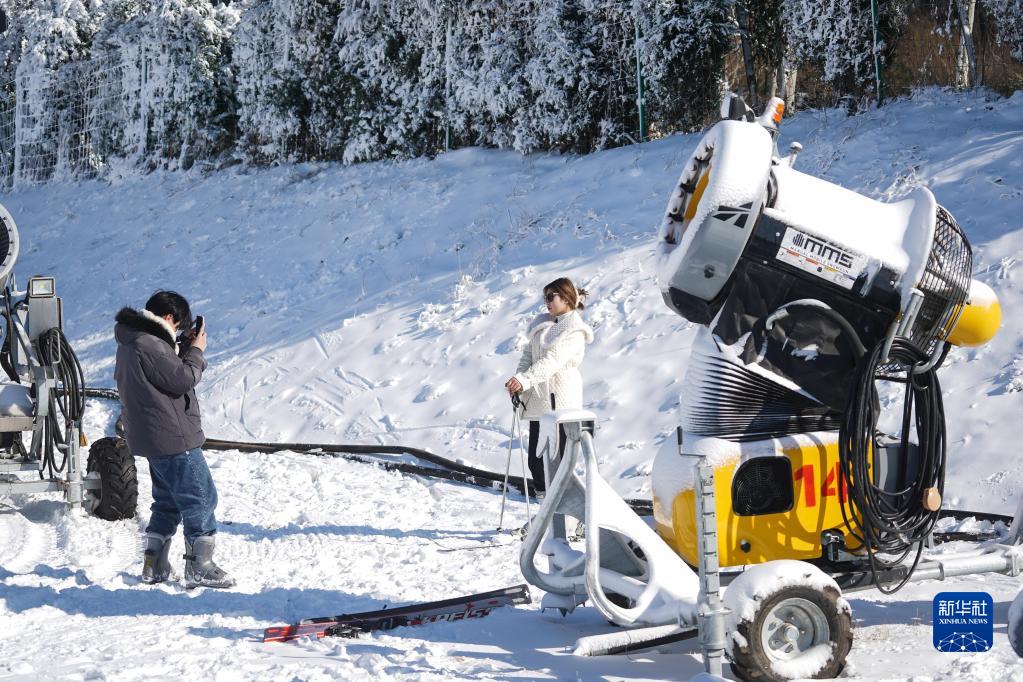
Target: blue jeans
column 183, row 492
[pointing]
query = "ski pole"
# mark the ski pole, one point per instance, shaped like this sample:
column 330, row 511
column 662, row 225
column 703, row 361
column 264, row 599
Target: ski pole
column 525, row 482
column 507, row 464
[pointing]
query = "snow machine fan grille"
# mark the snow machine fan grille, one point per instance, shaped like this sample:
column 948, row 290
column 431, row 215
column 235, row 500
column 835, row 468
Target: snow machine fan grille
column 763, row 485
column 945, row 283
column 8, row 245
column 731, row 402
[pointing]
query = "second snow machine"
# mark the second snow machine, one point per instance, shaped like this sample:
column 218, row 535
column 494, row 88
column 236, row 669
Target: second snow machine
column 813, row 302
column 43, row 395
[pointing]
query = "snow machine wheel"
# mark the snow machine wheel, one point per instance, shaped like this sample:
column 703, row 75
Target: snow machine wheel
column 117, row 497
column 1016, row 624
column 782, row 638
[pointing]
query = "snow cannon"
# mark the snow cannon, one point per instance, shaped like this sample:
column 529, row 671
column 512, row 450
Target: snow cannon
column 811, row 299
column 807, row 293
column 43, row 396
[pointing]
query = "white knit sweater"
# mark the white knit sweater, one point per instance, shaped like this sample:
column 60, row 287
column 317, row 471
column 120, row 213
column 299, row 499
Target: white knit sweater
column 550, row 364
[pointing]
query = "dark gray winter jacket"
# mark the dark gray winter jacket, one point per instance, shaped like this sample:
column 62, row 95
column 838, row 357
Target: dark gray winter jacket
column 157, row 388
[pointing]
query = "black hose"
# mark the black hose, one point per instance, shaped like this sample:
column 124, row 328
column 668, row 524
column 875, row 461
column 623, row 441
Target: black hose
column 892, row 522
column 68, row 398
column 331, row 449
column 6, row 351
column 449, row 470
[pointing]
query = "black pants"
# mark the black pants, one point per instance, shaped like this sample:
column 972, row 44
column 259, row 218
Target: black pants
column 536, row 463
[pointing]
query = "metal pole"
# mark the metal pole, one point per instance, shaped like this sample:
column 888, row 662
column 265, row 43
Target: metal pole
column 19, row 112
column 143, row 100
column 967, row 67
column 447, row 97
column 507, row 465
column 711, row 612
column 877, row 54
column 741, row 19
column 639, row 83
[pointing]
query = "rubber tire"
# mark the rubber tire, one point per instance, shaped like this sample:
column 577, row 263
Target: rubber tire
column 1016, row 624
column 118, row 496
column 752, row 664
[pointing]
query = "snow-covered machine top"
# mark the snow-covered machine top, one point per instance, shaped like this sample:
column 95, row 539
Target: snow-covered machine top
column 9, row 245
column 798, row 277
column 898, row 235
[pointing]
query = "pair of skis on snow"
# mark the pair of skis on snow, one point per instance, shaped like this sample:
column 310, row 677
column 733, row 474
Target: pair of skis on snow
column 351, row 625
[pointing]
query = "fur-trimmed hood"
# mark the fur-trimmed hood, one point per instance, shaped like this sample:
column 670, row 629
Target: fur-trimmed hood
column 131, row 323
column 554, row 326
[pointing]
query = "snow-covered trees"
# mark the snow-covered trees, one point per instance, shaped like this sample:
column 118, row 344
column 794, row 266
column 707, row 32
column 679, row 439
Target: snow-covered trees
column 367, row 79
column 354, row 80
column 390, row 79
column 284, row 60
column 839, row 35
column 1008, row 16
column 43, row 37
column 684, row 50
column 177, row 84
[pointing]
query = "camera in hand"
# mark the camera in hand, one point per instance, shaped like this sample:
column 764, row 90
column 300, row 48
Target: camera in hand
column 186, row 339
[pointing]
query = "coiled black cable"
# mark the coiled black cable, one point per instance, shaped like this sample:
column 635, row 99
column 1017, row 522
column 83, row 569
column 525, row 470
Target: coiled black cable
column 68, row 398
column 893, row 522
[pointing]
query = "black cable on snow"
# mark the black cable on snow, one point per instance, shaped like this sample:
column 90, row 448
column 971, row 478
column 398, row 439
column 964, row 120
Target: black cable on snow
column 464, row 473
column 452, row 471
column 449, row 470
column 106, row 393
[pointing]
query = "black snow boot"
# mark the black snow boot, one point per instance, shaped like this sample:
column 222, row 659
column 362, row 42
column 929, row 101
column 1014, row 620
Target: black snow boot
column 200, row 571
column 156, row 566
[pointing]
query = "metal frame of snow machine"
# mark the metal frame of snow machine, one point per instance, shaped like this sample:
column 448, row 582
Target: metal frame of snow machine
column 637, row 581
column 44, row 395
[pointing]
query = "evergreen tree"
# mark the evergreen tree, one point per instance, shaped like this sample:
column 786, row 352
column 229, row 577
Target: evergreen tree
column 684, row 60
column 1008, row 17
column 839, row 35
column 488, row 58
column 556, row 74
column 284, row 60
column 177, row 76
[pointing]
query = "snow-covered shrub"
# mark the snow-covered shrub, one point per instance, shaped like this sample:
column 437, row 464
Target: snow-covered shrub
column 1008, row 17
column 839, row 35
column 177, row 77
column 683, row 62
column 389, row 86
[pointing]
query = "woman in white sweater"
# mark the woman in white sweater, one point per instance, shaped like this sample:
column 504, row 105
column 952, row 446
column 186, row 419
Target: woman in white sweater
column 547, row 377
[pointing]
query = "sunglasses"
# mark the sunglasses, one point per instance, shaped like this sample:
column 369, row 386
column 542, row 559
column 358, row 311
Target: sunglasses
column 549, row 297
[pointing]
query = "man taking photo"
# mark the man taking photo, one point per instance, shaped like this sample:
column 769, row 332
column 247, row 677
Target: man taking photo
column 156, row 383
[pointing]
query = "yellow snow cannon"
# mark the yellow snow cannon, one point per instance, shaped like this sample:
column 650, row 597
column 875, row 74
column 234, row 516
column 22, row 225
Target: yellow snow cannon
column 818, row 309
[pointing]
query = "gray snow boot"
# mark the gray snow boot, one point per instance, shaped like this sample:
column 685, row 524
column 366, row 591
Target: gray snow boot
column 156, row 566
column 200, row 571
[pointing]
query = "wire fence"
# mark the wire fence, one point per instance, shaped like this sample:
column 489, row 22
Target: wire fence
column 70, row 121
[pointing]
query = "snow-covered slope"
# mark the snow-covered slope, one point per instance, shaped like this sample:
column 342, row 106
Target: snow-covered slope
column 385, row 303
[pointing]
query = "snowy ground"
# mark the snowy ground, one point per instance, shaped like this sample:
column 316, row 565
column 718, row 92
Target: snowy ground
column 384, row 303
